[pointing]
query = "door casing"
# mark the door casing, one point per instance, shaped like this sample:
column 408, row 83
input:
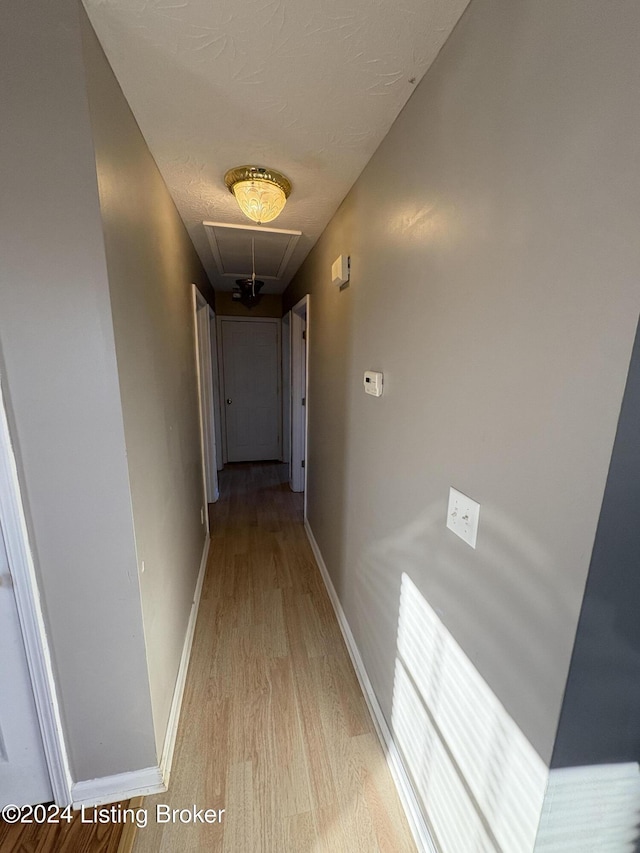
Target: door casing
column 300, row 314
column 204, row 371
column 27, row 596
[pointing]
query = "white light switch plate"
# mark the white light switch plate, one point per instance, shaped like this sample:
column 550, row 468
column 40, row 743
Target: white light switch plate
column 462, row 516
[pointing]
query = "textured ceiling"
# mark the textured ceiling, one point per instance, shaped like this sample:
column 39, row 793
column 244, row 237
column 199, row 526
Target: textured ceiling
column 308, row 87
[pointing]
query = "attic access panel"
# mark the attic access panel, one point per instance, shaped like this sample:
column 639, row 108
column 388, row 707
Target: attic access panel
column 231, row 248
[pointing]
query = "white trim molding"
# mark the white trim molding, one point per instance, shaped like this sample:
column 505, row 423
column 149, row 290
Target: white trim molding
column 148, row 780
column 120, row 786
column 204, row 377
column 300, row 316
column 178, row 693
column 27, row 595
column 399, row 773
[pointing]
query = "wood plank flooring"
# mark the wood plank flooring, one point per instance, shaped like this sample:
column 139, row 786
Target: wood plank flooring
column 72, row 837
column 274, row 728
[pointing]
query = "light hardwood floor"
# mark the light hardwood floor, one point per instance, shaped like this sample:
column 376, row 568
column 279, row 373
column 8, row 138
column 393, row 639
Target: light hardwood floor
column 274, row 728
column 72, row 837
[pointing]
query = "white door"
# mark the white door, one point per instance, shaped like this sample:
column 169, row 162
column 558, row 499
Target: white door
column 24, row 779
column 251, row 379
column 205, row 395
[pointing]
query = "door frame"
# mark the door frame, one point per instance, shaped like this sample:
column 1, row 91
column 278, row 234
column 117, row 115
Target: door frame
column 204, row 375
column 223, row 409
column 27, row 596
column 285, row 329
column 299, row 389
column 213, row 327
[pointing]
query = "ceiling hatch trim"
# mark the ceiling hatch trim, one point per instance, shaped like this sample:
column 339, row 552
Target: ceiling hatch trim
column 231, row 249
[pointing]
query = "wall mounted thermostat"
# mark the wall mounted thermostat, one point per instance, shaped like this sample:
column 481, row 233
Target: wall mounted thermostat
column 373, row 383
column 341, row 270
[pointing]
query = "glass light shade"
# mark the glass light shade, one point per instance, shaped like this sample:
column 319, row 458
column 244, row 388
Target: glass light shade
column 260, row 200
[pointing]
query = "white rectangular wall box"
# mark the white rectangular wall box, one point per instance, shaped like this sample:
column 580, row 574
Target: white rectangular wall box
column 340, row 270
column 373, row 383
column 462, row 516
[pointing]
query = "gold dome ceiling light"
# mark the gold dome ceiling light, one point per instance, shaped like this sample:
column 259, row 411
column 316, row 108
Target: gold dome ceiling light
column 260, row 193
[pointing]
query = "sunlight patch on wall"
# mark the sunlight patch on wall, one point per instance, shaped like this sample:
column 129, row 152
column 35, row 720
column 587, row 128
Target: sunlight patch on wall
column 591, row 810
column 480, row 782
column 431, row 224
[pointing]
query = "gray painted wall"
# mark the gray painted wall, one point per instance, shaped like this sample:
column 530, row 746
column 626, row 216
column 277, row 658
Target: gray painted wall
column 151, row 264
column 494, row 252
column 56, row 334
column 600, row 721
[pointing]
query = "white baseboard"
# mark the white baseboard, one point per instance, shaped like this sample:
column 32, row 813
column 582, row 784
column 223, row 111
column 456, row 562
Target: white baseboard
column 405, row 789
column 176, row 703
column 149, row 780
column 120, row 786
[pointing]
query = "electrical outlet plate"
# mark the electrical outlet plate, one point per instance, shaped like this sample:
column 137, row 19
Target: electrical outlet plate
column 462, row 516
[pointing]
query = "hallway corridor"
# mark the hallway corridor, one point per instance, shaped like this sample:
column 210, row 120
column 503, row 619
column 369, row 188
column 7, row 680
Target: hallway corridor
column 274, row 728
